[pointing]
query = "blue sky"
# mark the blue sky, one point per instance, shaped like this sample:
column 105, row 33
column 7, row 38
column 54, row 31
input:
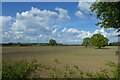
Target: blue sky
column 66, row 22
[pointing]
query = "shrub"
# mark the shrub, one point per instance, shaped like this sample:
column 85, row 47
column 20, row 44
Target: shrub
column 18, row 70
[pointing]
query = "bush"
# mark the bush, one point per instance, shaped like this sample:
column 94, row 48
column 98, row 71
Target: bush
column 18, row 70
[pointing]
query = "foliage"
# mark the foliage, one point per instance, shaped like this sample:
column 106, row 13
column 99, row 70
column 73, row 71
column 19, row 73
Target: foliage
column 116, row 69
column 23, row 70
column 86, row 42
column 108, row 13
column 99, row 40
column 52, row 42
column 19, row 70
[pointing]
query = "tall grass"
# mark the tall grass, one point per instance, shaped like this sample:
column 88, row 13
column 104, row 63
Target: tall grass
column 28, row 70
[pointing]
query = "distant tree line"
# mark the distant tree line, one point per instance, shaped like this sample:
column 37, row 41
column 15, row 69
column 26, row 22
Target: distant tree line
column 114, row 44
column 51, row 43
column 96, row 40
column 22, row 44
column 32, row 44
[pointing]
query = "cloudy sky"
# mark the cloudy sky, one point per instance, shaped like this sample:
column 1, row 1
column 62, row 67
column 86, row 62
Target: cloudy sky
column 38, row 22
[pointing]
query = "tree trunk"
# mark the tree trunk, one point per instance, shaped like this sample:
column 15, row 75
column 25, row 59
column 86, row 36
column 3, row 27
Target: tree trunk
column 86, row 45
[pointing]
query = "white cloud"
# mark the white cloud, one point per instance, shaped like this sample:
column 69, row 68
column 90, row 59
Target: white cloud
column 84, row 6
column 34, row 20
column 84, row 10
column 45, row 13
column 79, row 14
column 84, row 34
column 63, row 14
column 73, row 36
column 5, row 22
column 7, row 36
column 30, row 24
column 71, row 30
column 38, row 20
column 107, row 32
column 77, row 33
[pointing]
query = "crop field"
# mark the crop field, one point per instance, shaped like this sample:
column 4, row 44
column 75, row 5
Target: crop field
column 89, row 58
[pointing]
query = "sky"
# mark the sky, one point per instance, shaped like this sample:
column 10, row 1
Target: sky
column 38, row 22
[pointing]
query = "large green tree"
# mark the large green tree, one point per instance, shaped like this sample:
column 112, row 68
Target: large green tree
column 86, row 41
column 108, row 13
column 99, row 40
column 52, row 42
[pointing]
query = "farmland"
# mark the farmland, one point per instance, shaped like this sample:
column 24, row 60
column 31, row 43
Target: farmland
column 89, row 58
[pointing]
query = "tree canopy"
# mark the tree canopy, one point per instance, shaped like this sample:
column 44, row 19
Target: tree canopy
column 108, row 13
column 99, row 40
column 52, row 42
column 86, row 42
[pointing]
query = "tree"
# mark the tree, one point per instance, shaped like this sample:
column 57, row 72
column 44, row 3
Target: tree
column 108, row 13
column 86, row 42
column 52, row 42
column 99, row 40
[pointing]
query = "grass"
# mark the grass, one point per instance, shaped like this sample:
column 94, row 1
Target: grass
column 23, row 70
